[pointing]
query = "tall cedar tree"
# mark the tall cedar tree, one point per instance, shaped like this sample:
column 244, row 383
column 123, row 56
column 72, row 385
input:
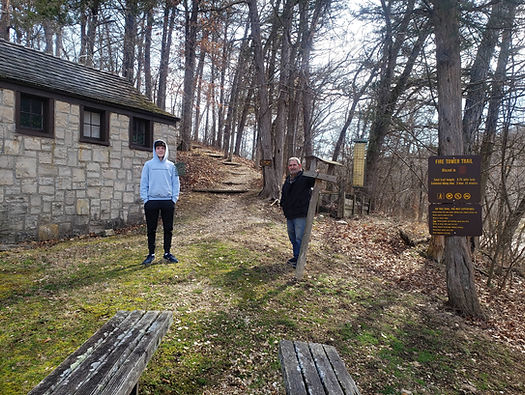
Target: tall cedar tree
column 461, row 288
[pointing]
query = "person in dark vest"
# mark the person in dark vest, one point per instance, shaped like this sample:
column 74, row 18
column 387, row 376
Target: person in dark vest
column 159, row 190
column 295, row 198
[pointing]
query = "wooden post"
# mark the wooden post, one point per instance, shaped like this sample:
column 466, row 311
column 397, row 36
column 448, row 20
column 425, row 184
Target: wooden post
column 301, row 260
column 341, row 198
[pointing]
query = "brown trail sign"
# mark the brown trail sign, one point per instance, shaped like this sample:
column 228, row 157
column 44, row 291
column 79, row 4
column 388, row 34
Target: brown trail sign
column 454, row 194
column 319, row 177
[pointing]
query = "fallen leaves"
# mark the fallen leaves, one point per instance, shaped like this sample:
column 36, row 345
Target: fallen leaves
column 375, row 244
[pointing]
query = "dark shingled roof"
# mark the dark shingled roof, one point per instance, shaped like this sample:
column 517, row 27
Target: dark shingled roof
column 28, row 67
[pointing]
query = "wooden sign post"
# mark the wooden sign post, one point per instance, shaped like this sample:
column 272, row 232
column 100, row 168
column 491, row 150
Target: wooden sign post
column 319, row 177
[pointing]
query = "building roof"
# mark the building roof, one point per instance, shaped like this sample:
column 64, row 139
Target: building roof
column 25, row 66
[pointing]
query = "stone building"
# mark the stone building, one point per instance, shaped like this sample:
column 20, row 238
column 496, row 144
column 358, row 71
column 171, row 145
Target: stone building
column 73, row 143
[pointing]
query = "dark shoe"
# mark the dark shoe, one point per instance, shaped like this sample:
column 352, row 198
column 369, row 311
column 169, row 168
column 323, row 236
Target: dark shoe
column 293, row 262
column 170, row 258
column 149, row 260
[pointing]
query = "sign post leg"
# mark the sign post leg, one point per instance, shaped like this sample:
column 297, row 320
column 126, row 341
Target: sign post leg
column 301, row 261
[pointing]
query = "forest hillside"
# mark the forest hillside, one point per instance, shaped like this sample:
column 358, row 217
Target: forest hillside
column 379, row 301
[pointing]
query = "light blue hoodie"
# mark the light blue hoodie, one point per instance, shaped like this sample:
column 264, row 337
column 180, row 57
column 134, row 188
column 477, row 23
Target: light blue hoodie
column 160, row 179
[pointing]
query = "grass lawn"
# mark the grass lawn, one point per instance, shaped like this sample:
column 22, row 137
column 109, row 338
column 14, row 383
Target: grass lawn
column 233, row 299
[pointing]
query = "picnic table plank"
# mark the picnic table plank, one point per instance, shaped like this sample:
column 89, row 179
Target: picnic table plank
column 309, row 369
column 345, row 380
column 115, row 355
column 62, row 372
column 324, row 370
column 291, row 370
column 140, row 355
column 314, row 369
column 90, row 368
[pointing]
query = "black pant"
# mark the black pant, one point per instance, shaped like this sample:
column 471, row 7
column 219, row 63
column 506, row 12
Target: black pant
column 167, row 209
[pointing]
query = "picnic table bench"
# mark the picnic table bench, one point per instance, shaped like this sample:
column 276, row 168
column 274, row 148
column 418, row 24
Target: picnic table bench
column 314, row 369
column 112, row 360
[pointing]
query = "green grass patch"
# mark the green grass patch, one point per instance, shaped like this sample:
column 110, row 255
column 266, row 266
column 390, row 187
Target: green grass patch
column 232, row 305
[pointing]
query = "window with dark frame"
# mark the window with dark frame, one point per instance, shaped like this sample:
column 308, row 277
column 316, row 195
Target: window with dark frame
column 34, row 115
column 141, row 133
column 94, row 126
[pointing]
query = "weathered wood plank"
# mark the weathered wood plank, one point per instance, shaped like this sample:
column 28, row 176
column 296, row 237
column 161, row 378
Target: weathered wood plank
column 309, row 369
column 320, row 176
column 293, row 378
column 62, row 372
column 114, row 357
column 97, row 360
column 345, row 380
column 315, row 369
column 131, row 337
column 301, row 260
column 325, row 371
column 125, row 378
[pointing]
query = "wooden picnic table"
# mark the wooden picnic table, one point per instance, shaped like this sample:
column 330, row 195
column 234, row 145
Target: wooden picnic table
column 111, row 361
column 314, row 369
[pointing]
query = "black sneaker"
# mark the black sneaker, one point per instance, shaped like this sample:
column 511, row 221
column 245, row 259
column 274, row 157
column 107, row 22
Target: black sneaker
column 292, row 261
column 149, row 260
column 170, row 258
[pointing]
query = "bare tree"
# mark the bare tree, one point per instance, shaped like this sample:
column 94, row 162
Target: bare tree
column 284, row 93
column 476, row 89
column 189, row 71
column 461, row 288
column 307, row 27
column 198, row 82
column 167, row 30
column 147, row 52
column 130, row 33
column 390, row 86
column 271, row 183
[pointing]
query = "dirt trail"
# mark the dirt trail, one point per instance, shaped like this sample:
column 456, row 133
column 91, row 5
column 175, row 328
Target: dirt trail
column 224, row 176
column 224, row 195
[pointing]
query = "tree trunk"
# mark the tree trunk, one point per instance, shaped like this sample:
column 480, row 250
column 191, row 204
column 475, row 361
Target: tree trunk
column 189, row 69
column 83, row 35
column 167, row 30
column 112, row 66
column 293, row 114
column 461, row 288
column 5, row 20
column 212, row 97
column 139, row 40
column 271, row 183
column 48, row 35
column 198, row 81
column 476, row 90
column 222, row 90
column 496, row 97
column 234, row 96
column 130, row 32
column 92, row 32
column 147, row 54
column 242, row 121
column 284, row 94
column 59, row 45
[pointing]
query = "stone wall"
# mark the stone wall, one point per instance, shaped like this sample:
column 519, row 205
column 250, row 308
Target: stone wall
column 56, row 187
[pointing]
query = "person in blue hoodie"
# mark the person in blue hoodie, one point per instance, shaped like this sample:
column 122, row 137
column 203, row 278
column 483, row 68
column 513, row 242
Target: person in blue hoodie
column 159, row 190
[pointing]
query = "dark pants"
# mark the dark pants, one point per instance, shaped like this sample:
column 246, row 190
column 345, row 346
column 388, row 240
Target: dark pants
column 167, row 209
